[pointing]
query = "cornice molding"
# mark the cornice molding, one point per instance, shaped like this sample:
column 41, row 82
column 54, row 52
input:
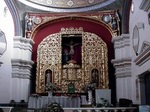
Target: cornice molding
column 21, row 68
column 144, row 55
column 121, row 62
column 123, row 67
column 145, row 5
column 121, row 41
column 23, row 43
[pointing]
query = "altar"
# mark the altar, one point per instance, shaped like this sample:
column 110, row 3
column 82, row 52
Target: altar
column 43, row 101
column 71, row 59
column 68, row 62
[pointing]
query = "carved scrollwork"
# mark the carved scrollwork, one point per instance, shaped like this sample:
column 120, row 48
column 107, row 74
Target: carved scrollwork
column 94, row 56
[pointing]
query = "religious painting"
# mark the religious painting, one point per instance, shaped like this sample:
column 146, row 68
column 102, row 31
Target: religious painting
column 71, row 48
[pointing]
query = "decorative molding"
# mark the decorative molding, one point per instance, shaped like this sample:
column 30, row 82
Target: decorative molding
column 145, row 46
column 123, row 67
column 145, row 5
column 72, row 30
column 121, row 41
column 69, row 6
column 21, row 68
column 15, row 16
column 23, row 43
column 144, row 55
column 38, row 20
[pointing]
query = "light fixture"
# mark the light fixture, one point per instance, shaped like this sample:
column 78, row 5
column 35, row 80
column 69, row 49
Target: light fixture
column 132, row 7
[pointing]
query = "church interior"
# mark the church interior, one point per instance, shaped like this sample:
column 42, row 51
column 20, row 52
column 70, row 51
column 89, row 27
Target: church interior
column 76, row 53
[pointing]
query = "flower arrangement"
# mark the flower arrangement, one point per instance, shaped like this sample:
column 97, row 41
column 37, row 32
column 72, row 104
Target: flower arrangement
column 51, row 87
column 54, row 107
column 104, row 103
column 90, row 86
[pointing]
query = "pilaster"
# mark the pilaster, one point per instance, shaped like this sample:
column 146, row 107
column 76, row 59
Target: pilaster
column 122, row 61
column 122, row 64
column 21, row 68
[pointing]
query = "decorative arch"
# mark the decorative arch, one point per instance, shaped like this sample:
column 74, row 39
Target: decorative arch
column 126, row 16
column 91, row 23
column 97, row 21
column 15, row 16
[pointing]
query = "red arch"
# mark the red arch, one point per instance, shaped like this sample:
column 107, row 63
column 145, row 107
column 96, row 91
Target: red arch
column 88, row 26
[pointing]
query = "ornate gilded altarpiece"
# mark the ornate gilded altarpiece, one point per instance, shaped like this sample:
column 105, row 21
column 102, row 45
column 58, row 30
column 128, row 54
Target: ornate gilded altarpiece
column 93, row 56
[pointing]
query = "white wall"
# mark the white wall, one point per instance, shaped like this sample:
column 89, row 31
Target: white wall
column 136, row 17
column 6, row 25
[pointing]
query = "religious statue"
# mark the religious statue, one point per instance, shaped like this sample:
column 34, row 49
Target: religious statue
column 48, row 76
column 65, row 56
column 71, row 46
column 95, row 77
column 114, row 23
column 29, row 23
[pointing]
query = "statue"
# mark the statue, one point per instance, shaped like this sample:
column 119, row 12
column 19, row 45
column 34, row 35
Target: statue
column 29, row 23
column 65, row 56
column 95, row 77
column 71, row 46
column 48, row 76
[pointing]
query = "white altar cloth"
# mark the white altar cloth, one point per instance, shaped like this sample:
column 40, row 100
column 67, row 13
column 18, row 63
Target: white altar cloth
column 64, row 101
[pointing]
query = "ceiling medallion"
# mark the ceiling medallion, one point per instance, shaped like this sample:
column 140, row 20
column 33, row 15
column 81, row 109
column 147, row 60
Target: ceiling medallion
column 70, row 3
column 91, row 1
column 49, row 2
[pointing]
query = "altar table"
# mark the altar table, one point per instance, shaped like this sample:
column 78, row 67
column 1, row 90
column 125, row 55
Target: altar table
column 64, row 101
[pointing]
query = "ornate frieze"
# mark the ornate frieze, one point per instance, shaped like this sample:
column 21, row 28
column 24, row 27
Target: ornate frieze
column 109, row 19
